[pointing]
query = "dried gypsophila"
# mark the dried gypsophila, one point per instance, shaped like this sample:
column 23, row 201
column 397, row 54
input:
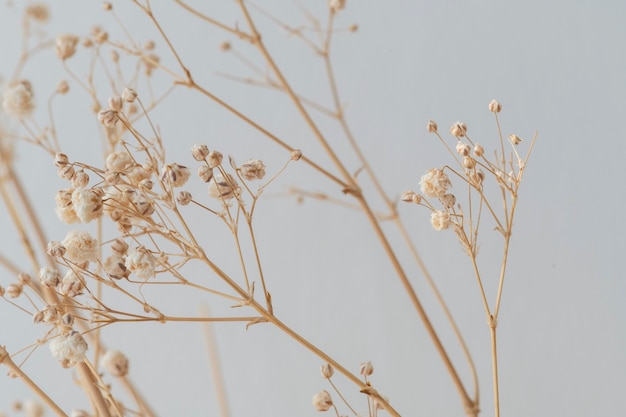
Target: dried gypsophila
column 322, row 401
column 69, row 348
column 495, row 106
column 115, row 362
column 440, row 220
column 80, row 247
column 336, row 5
column 115, row 267
column 66, row 45
column 434, row 183
column 140, row 262
column 459, row 129
column 327, row 370
column 224, row 187
column 366, row 368
column 71, row 285
column 17, row 99
column 87, row 204
column 175, row 174
column 254, row 169
column 199, row 152
column 49, row 276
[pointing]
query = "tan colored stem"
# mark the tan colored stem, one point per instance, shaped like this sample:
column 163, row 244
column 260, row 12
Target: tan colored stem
column 6, row 360
column 90, row 385
column 494, row 366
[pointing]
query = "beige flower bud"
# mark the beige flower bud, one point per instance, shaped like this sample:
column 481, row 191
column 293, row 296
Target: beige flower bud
column 119, row 246
column 129, row 95
column 55, row 249
column 107, row 117
column 14, row 290
column 515, row 140
column 494, row 106
column 60, row 160
column 49, row 277
column 366, row 368
column 66, row 172
column 468, row 162
column 175, row 174
column 214, row 159
column 462, row 148
column 66, row 45
column 296, row 154
column 407, row 196
column 322, row 401
column 199, row 152
column 448, row 201
column 116, row 103
column 80, row 179
column 63, row 87
column 115, row 362
column 440, row 220
column 431, row 126
column 479, row 151
column 205, row 173
column 184, row 198
column 459, row 129
column 327, row 370
column 254, row 169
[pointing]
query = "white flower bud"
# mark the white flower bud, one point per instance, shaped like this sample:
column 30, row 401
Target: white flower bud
column 224, row 187
column 479, row 151
column 205, row 173
column 140, row 262
column 69, row 349
column 434, row 183
column 81, row 247
column 55, row 249
column 71, row 285
column 49, row 276
column 322, row 401
column 80, row 179
column 440, row 220
column 115, row 267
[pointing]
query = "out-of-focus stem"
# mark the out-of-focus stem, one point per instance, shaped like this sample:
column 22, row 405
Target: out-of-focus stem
column 6, row 360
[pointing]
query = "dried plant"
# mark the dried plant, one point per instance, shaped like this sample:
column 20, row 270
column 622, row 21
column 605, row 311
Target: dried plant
column 137, row 220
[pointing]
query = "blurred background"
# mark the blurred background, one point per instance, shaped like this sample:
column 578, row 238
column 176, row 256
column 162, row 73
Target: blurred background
column 558, row 68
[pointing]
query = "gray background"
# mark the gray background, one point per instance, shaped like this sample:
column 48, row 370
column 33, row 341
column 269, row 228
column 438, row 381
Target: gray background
column 557, row 67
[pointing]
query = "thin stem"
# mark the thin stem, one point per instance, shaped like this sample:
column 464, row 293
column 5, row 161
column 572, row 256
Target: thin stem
column 494, row 365
column 6, row 360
